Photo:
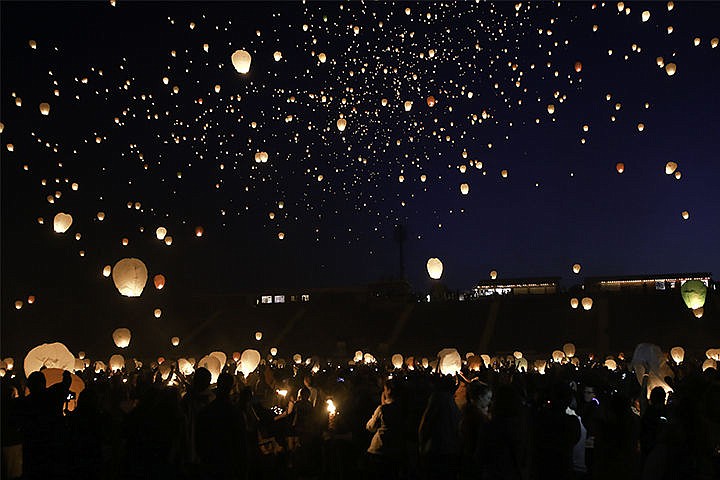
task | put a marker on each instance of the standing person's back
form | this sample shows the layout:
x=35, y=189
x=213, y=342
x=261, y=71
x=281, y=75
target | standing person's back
x=556, y=433
x=439, y=433
x=385, y=453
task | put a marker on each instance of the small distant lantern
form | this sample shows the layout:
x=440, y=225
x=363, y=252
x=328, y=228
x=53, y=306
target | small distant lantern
x=620, y=167
x=121, y=337
x=157, y=312
x=45, y=108
x=493, y=274
x=175, y=341
x=574, y=302
x=576, y=268
x=159, y=281
x=587, y=303
x=434, y=268
x=677, y=354
x=397, y=361
x=258, y=336
x=199, y=231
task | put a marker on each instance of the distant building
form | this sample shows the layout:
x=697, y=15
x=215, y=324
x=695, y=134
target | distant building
x=647, y=283
x=517, y=286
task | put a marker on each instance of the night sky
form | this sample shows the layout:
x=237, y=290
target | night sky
x=147, y=157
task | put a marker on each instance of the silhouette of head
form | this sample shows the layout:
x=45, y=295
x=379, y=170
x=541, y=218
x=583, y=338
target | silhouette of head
x=201, y=379
x=225, y=384
x=657, y=396
x=36, y=383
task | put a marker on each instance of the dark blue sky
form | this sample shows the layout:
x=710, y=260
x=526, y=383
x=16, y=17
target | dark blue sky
x=563, y=201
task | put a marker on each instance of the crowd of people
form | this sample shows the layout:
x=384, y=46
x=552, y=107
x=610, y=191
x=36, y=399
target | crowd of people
x=573, y=421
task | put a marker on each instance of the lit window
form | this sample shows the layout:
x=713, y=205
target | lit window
x=266, y=299
x=279, y=298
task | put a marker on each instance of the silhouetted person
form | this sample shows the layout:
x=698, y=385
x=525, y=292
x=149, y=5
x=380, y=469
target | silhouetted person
x=197, y=397
x=11, y=431
x=386, y=449
x=439, y=435
x=473, y=426
x=220, y=434
x=653, y=420
x=556, y=433
x=38, y=430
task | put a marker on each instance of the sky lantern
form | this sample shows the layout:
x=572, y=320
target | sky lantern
x=408, y=105
x=341, y=123
x=107, y=269
x=646, y=16
x=116, y=363
x=199, y=231
x=493, y=274
x=504, y=173
x=31, y=299
x=277, y=56
x=587, y=303
x=569, y=350
x=258, y=336
x=241, y=61
x=641, y=127
x=185, y=367
x=160, y=233
x=464, y=188
x=558, y=356
x=449, y=361
x=322, y=57
x=18, y=304
x=121, y=337
x=213, y=365
x=130, y=276
x=709, y=363
x=273, y=351
x=10, y=147
x=574, y=302
x=578, y=66
x=693, y=293
x=249, y=361
x=431, y=101
x=157, y=312
x=670, y=168
x=576, y=268
x=159, y=281
x=714, y=42
x=62, y=222
x=33, y=44
x=685, y=214
x=45, y=108
x=397, y=361
x=620, y=167
x=610, y=364
x=175, y=341
x=168, y=240
x=281, y=236
x=48, y=355
x=434, y=268
x=670, y=69
x=101, y=216
x=551, y=109
x=677, y=354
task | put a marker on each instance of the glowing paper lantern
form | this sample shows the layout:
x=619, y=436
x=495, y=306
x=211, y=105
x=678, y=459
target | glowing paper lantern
x=116, y=363
x=450, y=362
x=221, y=357
x=185, y=367
x=698, y=312
x=62, y=222
x=709, y=363
x=341, y=124
x=493, y=274
x=693, y=293
x=199, y=231
x=587, y=303
x=714, y=42
x=397, y=361
x=670, y=167
x=121, y=337
x=677, y=354
x=576, y=268
x=101, y=216
x=434, y=268
x=540, y=366
x=522, y=365
x=464, y=188
x=273, y=351
x=160, y=233
x=18, y=304
x=574, y=302
x=322, y=57
x=277, y=56
x=578, y=67
x=175, y=341
x=670, y=69
x=646, y=15
x=551, y=109
x=610, y=364
x=48, y=355
x=569, y=350
x=258, y=336
x=159, y=281
x=408, y=105
x=431, y=101
x=685, y=215
x=168, y=240
x=157, y=313
x=558, y=356
x=130, y=276
x=212, y=364
x=45, y=108
x=241, y=61
x=620, y=167
x=249, y=361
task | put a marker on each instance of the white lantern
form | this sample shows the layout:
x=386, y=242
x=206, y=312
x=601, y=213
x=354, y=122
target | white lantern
x=175, y=341
x=464, y=188
x=221, y=357
x=116, y=363
x=341, y=124
x=121, y=337
x=241, y=61
x=160, y=233
x=569, y=350
x=576, y=268
x=450, y=362
x=434, y=268
x=62, y=222
x=558, y=356
x=574, y=303
x=45, y=108
x=49, y=355
x=213, y=365
x=397, y=361
x=249, y=361
x=587, y=303
x=677, y=354
x=258, y=336
x=130, y=276
x=408, y=105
